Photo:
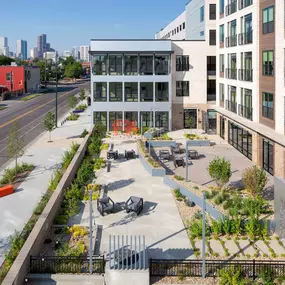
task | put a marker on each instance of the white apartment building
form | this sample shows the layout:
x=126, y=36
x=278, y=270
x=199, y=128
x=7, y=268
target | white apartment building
x=84, y=53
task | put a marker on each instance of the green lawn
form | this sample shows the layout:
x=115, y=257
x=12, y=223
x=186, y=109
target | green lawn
x=2, y=107
x=29, y=97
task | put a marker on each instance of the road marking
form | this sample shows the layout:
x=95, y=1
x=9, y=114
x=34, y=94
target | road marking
x=31, y=111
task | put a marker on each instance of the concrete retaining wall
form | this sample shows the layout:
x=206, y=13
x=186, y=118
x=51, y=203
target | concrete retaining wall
x=36, y=238
x=162, y=143
x=211, y=210
x=151, y=170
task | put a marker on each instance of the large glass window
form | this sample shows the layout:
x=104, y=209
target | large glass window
x=100, y=91
x=202, y=14
x=240, y=139
x=222, y=6
x=212, y=37
x=268, y=63
x=131, y=65
x=131, y=92
x=100, y=64
x=182, y=88
x=222, y=92
x=268, y=20
x=162, y=120
x=161, y=64
x=116, y=121
x=131, y=117
x=268, y=156
x=212, y=12
x=267, y=105
x=146, y=91
x=115, y=92
x=161, y=92
x=146, y=65
x=222, y=33
x=100, y=118
x=146, y=119
x=182, y=62
x=115, y=65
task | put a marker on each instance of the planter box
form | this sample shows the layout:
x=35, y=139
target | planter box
x=77, y=111
x=199, y=143
x=162, y=143
x=150, y=135
x=159, y=171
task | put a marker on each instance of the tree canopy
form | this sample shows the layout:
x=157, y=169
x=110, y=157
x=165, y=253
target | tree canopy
x=5, y=60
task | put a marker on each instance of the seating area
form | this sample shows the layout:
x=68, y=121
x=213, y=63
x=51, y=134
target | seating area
x=114, y=154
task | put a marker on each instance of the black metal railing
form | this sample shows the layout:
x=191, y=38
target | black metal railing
x=231, y=106
x=193, y=268
x=231, y=73
x=268, y=69
x=182, y=67
x=231, y=41
x=66, y=264
x=245, y=38
x=231, y=8
x=268, y=112
x=244, y=3
x=245, y=112
x=245, y=74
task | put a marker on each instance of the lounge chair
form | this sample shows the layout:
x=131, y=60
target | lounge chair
x=179, y=161
x=105, y=205
x=134, y=204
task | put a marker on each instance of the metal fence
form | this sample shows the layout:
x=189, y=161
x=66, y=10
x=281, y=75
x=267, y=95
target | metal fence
x=65, y=264
x=193, y=268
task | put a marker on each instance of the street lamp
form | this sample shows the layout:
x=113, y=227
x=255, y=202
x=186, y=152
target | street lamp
x=90, y=233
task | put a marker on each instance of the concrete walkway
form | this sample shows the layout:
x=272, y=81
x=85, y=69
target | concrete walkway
x=159, y=221
x=16, y=209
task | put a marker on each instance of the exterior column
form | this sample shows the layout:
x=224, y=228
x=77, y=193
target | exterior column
x=279, y=160
x=226, y=130
x=218, y=124
x=256, y=149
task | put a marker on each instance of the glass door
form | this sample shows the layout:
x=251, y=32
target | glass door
x=190, y=113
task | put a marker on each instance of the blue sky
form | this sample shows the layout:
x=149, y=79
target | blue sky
x=69, y=23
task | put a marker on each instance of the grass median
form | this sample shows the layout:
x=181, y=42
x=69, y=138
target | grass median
x=29, y=97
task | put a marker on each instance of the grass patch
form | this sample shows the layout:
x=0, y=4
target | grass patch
x=179, y=178
x=29, y=97
x=72, y=117
x=2, y=107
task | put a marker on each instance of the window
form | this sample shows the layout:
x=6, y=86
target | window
x=267, y=105
x=8, y=76
x=161, y=65
x=182, y=88
x=212, y=37
x=268, y=63
x=146, y=89
x=115, y=64
x=222, y=33
x=100, y=91
x=202, y=14
x=202, y=33
x=131, y=92
x=212, y=11
x=161, y=120
x=146, y=119
x=222, y=92
x=222, y=6
x=115, y=121
x=268, y=156
x=115, y=92
x=131, y=117
x=100, y=118
x=100, y=64
x=180, y=27
x=268, y=20
x=161, y=92
x=131, y=65
x=184, y=26
x=182, y=63
x=211, y=90
x=172, y=32
x=222, y=63
x=146, y=65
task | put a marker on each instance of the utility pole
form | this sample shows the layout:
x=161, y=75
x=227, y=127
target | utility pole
x=56, y=83
x=45, y=70
x=90, y=234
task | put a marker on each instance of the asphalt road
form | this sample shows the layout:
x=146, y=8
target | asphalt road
x=30, y=115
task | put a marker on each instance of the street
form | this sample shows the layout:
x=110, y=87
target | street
x=30, y=115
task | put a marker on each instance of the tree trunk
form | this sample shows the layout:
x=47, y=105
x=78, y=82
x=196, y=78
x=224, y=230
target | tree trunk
x=49, y=136
x=16, y=166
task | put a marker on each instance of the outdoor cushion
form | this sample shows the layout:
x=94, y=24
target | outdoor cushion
x=104, y=200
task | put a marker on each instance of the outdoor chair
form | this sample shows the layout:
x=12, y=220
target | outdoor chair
x=134, y=204
x=193, y=154
x=112, y=154
x=105, y=205
x=176, y=150
x=164, y=155
x=179, y=161
x=130, y=154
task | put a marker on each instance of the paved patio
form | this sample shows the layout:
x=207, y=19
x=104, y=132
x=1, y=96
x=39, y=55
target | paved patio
x=159, y=221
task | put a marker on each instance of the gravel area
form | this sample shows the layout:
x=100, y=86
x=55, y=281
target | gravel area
x=187, y=280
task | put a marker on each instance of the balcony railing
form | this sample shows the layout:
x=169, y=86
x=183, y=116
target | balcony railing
x=231, y=41
x=268, y=112
x=231, y=106
x=245, y=112
x=231, y=8
x=245, y=75
x=231, y=73
x=245, y=38
x=244, y=3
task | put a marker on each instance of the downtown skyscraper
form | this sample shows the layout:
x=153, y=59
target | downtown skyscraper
x=21, y=50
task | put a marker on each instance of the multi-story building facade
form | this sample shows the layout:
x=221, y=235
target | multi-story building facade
x=21, y=49
x=84, y=53
x=4, y=48
x=250, y=80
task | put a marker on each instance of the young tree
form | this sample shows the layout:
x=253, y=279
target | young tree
x=50, y=123
x=72, y=102
x=190, y=123
x=82, y=94
x=220, y=170
x=254, y=180
x=15, y=143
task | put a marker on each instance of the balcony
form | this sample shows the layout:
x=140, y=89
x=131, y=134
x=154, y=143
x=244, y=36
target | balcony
x=231, y=8
x=245, y=38
x=231, y=106
x=245, y=75
x=231, y=41
x=268, y=112
x=244, y=3
x=245, y=112
x=231, y=73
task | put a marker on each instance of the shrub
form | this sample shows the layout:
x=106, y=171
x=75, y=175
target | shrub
x=104, y=146
x=40, y=207
x=85, y=172
x=61, y=220
x=55, y=178
x=81, y=107
x=178, y=195
x=208, y=195
x=72, y=117
x=78, y=231
x=198, y=215
x=179, y=178
x=84, y=133
x=227, y=226
x=254, y=179
x=227, y=204
x=99, y=163
x=164, y=137
x=217, y=227
x=76, y=251
x=196, y=188
x=253, y=227
x=220, y=170
x=196, y=227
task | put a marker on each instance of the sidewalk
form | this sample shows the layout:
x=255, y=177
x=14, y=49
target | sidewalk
x=16, y=209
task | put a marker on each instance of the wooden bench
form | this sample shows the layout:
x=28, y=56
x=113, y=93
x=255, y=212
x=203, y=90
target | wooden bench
x=6, y=190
